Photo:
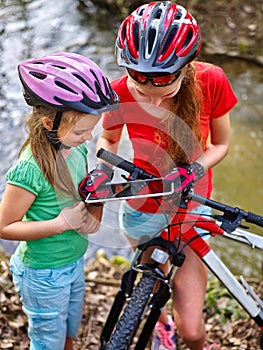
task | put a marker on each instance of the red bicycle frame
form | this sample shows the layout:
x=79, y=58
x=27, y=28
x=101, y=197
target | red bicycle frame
x=183, y=226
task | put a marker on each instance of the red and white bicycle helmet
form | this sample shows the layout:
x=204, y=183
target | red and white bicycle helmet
x=158, y=37
x=65, y=81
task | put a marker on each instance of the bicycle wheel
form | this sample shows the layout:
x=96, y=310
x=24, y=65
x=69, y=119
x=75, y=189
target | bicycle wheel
x=131, y=317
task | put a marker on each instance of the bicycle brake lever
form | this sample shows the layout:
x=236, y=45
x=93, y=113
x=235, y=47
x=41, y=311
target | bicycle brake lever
x=230, y=221
x=251, y=239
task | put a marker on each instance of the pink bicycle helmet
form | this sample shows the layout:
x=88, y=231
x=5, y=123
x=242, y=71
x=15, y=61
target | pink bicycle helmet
x=158, y=37
x=65, y=81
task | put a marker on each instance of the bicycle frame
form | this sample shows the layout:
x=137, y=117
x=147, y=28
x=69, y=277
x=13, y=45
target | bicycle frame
x=181, y=229
x=243, y=293
x=245, y=296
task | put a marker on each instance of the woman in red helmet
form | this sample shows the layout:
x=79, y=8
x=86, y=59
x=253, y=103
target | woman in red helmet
x=176, y=109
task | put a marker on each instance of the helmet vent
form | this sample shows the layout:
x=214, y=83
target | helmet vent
x=83, y=81
x=188, y=38
x=178, y=16
x=168, y=39
x=140, y=12
x=151, y=37
x=136, y=36
x=158, y=14
x=95, y=76
x=57, y=66
x=65, y=87
x=38, y=75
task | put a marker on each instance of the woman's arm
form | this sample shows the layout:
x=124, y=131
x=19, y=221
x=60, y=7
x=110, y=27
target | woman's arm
x=14, y=205
x=219, y=144
x=109, y=140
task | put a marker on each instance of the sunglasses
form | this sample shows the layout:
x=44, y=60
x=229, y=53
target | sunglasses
x=156, y=80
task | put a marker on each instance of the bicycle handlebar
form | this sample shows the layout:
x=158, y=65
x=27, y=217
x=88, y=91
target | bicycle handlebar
x=231, y=214
x=229, y=211
x=119, y=162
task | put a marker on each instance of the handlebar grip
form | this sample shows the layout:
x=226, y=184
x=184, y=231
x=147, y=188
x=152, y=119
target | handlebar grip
x=123, y=164
x=254, y=219
x=115, y=160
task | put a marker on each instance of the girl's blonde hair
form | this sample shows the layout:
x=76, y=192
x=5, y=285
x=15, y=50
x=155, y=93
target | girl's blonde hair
x=49, y=159
x=187, y=107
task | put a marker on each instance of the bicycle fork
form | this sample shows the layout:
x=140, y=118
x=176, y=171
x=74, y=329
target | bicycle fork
x=124, y=292
x=156, y=303
x=157, y=299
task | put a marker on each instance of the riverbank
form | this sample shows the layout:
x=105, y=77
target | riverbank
x=226, y=323
x=231, y=28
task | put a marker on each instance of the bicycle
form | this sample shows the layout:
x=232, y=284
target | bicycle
x=144, y=286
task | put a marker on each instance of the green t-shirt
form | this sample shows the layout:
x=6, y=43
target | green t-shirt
x=61, y=249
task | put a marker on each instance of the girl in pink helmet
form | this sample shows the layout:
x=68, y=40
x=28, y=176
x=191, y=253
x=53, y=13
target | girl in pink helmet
x=41, y=206
x=176, y=109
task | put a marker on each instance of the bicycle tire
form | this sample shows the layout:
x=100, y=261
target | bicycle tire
x=131, y=317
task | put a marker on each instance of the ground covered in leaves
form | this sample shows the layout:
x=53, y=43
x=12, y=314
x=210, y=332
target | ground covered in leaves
x=226, y=323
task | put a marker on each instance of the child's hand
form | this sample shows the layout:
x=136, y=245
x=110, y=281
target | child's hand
x=95, y=216
x=78, y=218
x=74, y=217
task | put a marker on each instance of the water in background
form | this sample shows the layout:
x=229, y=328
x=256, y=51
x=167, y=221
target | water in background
x=34, y=28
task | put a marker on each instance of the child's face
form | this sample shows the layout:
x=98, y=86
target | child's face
x=81, y=131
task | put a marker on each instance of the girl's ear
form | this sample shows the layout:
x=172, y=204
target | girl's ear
x=47, y=123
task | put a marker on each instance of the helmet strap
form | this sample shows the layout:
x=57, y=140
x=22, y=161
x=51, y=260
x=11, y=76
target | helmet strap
x=57, y=120
x=52, y=134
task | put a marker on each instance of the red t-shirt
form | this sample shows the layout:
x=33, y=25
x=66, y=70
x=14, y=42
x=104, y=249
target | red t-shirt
x=147, y=132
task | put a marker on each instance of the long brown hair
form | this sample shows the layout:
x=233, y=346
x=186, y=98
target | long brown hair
x=186, y=106
x=50, y=160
